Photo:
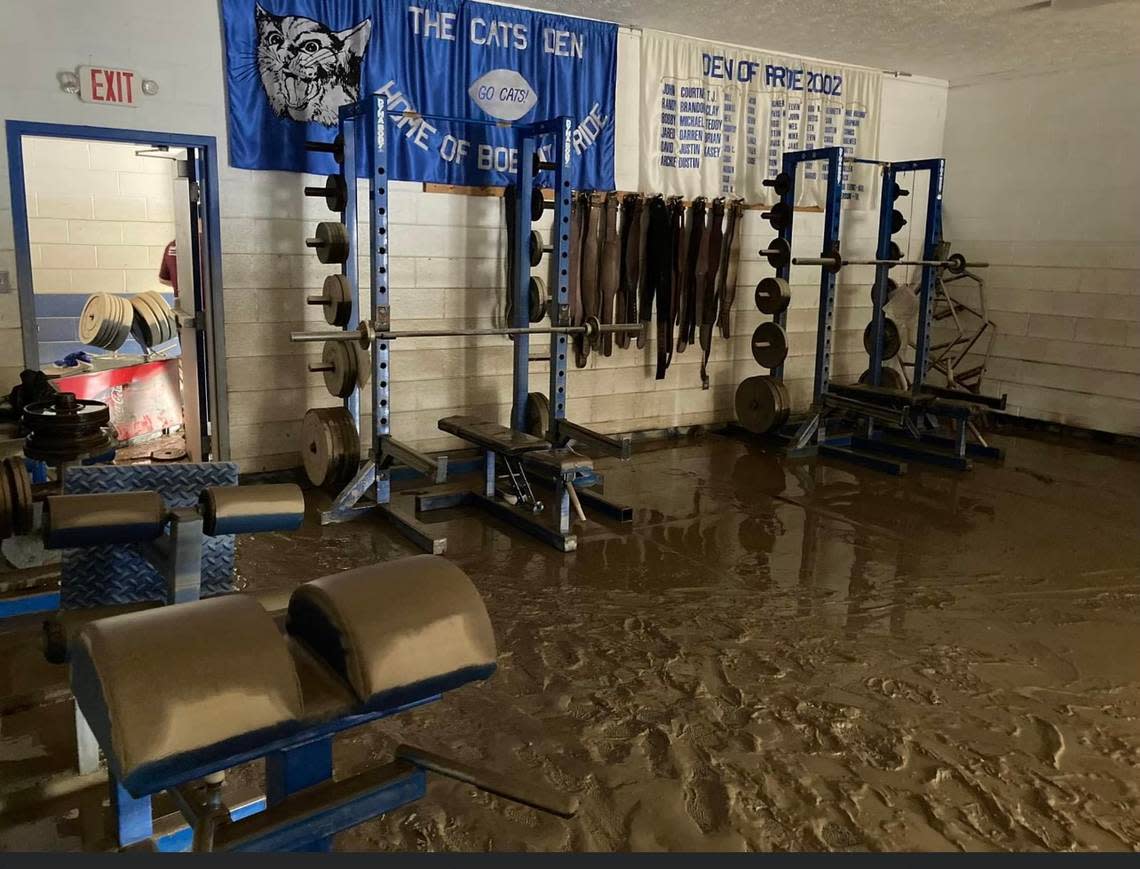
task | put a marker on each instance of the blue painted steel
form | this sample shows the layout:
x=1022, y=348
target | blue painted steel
x=525, y=184
x=399, y=792
x=351, y=267
x=932, y=238
x=882, y=271
x=827, y=279
x=202, y=153
x=27, y=604
x=377, y=118
x=560, y=229
x=133, y=819
x=182, y=839
x=293, y=770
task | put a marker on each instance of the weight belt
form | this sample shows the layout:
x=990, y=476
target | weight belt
x=652, y=246
x=591, y=239
x=645, y=288
x=573, y=276
x=707, y=273
x=630, y=267
x=687, y=305
x=730, y=258
x=609, y=273
x=659, y=273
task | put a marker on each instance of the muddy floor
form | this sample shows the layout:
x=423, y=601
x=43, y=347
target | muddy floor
x=773, y=655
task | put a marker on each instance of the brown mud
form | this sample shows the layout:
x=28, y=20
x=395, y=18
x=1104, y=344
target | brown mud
x=774, y=655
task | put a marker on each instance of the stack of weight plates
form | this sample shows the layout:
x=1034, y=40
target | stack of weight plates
x=330, y=447
x=105, y=321
x=154, y=322
x=762, y=403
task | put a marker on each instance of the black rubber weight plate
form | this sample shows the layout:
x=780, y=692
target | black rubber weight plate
x=537, y=414
x=892, y=341
x=888, y=377
x=772, y=295
x=769, y=345
x=759, y=404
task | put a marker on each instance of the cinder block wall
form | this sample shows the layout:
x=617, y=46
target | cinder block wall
x=447, y=249
x=1043, y=180
x=99, y=217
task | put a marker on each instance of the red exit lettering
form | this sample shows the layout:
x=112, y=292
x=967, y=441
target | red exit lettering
x=110, y=86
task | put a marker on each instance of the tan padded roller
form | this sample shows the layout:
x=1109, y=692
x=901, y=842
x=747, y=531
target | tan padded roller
x=112, y=517
x=397, y=631
x=179, y=680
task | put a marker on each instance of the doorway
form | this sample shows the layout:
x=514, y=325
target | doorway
x=124, y=221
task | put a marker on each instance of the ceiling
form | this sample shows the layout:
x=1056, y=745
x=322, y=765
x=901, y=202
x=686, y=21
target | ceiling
x=957, y=40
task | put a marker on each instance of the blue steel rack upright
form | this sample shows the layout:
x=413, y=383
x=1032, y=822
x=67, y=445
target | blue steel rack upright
x=370, y=488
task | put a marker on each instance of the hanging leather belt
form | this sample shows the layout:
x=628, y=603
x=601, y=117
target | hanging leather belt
x=591, y=239
x=730, y=258
x=659, y=277
x=707, y=276
x=609, y=276
x=687, y=308
x=630, y=265
x=644, y=288
x=574, y=270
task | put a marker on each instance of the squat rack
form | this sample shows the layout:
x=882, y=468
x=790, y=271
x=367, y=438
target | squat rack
x=370, y=488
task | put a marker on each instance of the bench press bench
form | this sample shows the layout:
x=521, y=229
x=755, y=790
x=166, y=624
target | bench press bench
x=181, y=693
x=522, y=456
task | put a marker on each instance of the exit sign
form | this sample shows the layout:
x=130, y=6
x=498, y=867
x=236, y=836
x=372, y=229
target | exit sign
x=114, y=87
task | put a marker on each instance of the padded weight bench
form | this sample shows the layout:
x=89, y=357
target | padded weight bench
x=184, y=692
x=523, y=453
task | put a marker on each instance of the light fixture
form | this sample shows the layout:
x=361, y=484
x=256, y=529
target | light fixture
x=149, y=87
x=68, y=82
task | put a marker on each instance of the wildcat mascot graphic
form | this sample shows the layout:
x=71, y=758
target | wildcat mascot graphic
x=307, y=69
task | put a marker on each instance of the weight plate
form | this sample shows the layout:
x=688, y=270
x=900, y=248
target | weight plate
x=769, y=345
x=779, y=215
x=338, y=300
x=773, y=295
x=146, y=322
x=779, y=253
x=894, y=252
x=92, y=319
x=7, y=519
x=957, y=264
x=336, y=192
x=332, y=242
x=758, y=404
x=897, y=220
x=892, y=341
x=159, y=328
x=167, y=324
x=889, y=378
x=537, y=415
x=534, y=247
x=318, y=454
x=20, y=491
x=892, y=287
x=537, y=298
x=537, y=204
x=348, y=446
x=172, y=454
x=341, y=379
x=782, y=183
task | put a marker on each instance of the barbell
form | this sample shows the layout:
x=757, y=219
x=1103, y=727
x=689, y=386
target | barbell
x=367, y=333
x=956, y=264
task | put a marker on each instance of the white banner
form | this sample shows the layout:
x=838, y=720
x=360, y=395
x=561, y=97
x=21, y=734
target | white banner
x=715, y=121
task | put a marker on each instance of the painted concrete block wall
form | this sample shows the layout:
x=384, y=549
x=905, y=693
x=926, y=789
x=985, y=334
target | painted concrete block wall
x=447, y=265
x=99, y=217
x=1044, y=182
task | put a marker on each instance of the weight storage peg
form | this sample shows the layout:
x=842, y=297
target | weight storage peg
x=780, y=216
x=330, y=243
x=778, y=252
x=897, y=191
x=782, y=183
x=335, y=192
x=335, y=147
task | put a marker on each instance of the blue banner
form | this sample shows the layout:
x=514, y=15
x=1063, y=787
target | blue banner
x=291, y=64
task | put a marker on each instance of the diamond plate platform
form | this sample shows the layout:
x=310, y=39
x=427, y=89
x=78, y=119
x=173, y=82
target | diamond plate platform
x=108, y=575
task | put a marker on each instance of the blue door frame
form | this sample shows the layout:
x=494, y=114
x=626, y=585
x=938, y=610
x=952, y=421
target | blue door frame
x=208, y=290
